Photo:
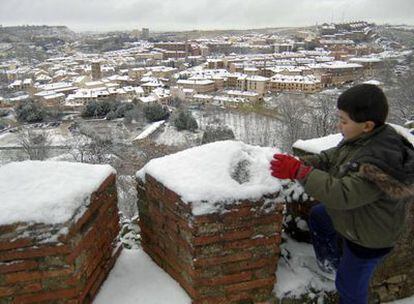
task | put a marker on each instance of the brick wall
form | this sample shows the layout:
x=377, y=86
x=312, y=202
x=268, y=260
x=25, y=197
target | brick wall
x=228, y=257
x=37, y=264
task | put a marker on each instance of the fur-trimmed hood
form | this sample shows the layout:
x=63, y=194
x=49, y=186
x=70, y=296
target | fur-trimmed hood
x=392, y=187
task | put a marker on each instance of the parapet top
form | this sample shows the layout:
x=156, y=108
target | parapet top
x=216, y=172
x=317, y=145
x=47, y=192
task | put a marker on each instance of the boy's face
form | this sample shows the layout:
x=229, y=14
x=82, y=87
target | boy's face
x=351, y=129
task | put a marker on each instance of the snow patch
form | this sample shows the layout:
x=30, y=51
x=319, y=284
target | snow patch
x=317, y=145
x=47, y=192
x=208, y=176
x=150, y=129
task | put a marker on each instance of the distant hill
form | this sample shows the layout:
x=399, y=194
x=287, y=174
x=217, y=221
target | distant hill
x=29, y=33
x=194, y=34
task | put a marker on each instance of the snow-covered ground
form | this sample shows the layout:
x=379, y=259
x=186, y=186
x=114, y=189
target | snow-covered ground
x=137, y=279
x=171, y=137
x=57, y=137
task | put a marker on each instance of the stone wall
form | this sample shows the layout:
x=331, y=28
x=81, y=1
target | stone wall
x=226, y=257
x=64, y=263
x=394, y=278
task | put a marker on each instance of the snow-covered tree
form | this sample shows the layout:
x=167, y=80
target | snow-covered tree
x=35, y=144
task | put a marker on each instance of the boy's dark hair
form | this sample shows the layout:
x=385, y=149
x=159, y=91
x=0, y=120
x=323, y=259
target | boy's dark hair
x=364, y=102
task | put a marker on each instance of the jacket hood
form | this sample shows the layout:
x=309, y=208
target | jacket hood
x=392, y=187
x=390, y=152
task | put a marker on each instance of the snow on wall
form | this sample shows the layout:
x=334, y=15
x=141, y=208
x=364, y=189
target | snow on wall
x=317, y=145
x=224, y=171
x=47, y=192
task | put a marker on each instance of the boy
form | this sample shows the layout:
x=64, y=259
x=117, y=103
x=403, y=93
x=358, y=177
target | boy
x=363, y=184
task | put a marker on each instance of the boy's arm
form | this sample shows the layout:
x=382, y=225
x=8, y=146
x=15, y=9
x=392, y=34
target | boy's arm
x=349, y=192
x=319, y=161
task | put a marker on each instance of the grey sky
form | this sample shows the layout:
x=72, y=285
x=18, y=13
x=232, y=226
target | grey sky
x=200, y=14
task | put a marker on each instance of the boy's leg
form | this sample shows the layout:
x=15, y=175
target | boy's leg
x=353, y=276
x=324, y=238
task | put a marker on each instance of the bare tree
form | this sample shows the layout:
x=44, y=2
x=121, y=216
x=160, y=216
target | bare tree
x=386, y=73
x=293, y=116
x=322, y=114
x=35, y=144
x=90, y=147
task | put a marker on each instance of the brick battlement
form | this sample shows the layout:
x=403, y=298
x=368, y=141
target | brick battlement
x=63, y=263
x=223, y=257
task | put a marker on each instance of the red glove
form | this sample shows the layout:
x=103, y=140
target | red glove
x=285, y=166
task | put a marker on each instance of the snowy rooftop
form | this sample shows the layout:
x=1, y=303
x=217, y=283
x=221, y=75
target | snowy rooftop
x=47, y=192
x=195, y=82
x=309, y=79
x=150, y=129
x=365, y=59
x=205, y=175
x=336, y=65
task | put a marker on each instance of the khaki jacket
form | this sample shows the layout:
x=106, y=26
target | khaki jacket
x=365, y=184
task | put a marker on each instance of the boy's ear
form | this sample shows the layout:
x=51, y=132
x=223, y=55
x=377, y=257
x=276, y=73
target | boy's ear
x=368, y=126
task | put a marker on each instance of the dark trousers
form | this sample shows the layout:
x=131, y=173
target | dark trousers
x=353, y=272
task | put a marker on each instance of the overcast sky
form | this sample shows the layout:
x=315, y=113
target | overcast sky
x=164, y=15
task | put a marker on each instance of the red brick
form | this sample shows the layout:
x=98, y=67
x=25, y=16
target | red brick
x=251, y=222
x=8, y=228
x=97, y=284
x=148, y=249
x=237, y=214
x=223, y=259
x=46, y=296
x=248, y=265
x=250, y=285
x=29, y=288
x=95, y=261
x=239, y=296
x=225, y=280
x=18, y=266
x=211, y=300
x=83, y=244
x=111, y=262
x=15, y=244
x=249, y=243
x=238, y=234
x=205, y=219
x=6, y=291
x=109, y=181
x=226, y=236
x=162, y=258
x=33, y=252
x=89, y=283
x=35, y=275
x=92, y=237
x=20, y=289
x=97, y=202
x=106, y=206
x=204, y=240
